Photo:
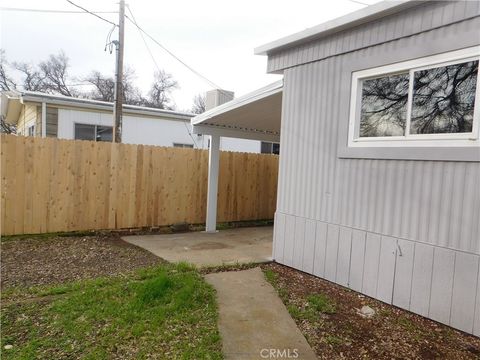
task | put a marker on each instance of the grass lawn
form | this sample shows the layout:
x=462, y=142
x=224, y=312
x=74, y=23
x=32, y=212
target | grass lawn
x=164, y=312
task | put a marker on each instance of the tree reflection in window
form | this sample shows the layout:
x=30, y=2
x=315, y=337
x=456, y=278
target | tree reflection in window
x=384, y=106
x=443, y=99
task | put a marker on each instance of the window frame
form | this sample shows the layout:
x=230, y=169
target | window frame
x=413, y=140
x=32, y=128
x=95, y=126
x=183, y=145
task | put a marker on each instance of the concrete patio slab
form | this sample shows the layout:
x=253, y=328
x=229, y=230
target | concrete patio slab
x=254, y=323
x=242, y=245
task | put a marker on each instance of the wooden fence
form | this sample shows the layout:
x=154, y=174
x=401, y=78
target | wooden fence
x=51, y=185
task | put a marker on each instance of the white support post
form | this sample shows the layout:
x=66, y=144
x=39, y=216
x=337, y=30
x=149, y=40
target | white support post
x=44, y=120
x=213, y=163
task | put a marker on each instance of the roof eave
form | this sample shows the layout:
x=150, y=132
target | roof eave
x=362, y=16
x=103, y=105
x=268, y=90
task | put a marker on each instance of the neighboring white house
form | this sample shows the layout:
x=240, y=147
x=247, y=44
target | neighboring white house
x=379, y=177
x=39, y=114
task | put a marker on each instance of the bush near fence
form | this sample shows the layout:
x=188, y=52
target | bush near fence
x=51, y=185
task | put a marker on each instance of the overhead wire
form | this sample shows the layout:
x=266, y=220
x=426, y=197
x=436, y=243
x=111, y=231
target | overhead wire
x=143, y=38
x=108, y=40
x=134, y=21
x=90, y=12
x=211, y=83
x=53, y=11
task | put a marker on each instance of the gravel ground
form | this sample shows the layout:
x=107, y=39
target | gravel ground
x=41, y=261
x=392, y=333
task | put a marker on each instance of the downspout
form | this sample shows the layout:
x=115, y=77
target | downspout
x=44, y=119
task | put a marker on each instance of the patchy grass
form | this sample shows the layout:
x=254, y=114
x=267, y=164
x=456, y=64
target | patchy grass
x=326, y=314
x=271, y=276
x=321, y=303
x=166, y=312
x=311, y=309
x=333, y=340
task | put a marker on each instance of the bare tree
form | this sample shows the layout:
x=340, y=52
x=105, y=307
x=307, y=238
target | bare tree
x=159, y=94
x=6, y=82
x=131, y=93
x=32, y=78
x=55, y=73
x=104, y=87
x=199, y=103
x=51, y=76
x=6, y=127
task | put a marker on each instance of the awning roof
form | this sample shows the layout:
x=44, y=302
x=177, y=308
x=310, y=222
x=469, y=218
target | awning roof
x=254, y=116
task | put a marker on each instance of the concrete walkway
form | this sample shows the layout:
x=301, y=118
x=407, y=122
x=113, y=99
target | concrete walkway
x=254, y=323
x=242, y=245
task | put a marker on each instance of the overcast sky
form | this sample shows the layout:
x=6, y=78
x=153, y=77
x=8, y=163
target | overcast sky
x=216, y=37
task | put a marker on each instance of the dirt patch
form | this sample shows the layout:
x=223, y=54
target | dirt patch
x=391, y=333
x=40, y=261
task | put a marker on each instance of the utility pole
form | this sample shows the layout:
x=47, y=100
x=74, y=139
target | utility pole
x=118, y=102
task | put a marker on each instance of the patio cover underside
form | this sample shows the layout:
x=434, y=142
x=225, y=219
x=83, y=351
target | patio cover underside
x=254, y=116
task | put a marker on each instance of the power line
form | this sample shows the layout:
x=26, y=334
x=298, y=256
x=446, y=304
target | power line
x=134, y=21
x=143, y=38
x=54, y=11
x=91, y=13
x=211, y=83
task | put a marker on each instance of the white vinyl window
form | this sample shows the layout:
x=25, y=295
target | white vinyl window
x=31, y=130
x=432, y=101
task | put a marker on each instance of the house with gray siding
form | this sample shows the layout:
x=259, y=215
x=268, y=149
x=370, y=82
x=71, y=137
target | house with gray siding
x=379, y=183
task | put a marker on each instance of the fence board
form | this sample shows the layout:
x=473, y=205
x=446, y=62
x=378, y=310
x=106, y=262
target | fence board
x=51, y=185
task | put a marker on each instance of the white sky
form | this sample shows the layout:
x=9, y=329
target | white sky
x=215, y=37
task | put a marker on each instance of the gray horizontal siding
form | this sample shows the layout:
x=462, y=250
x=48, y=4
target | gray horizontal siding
x=435, y=202
x=422, y=18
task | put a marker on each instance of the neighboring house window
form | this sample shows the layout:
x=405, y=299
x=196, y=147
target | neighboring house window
x=183, y=145
x=31, y=130
x=93, y=132
x=432, y=101
x=269, y=148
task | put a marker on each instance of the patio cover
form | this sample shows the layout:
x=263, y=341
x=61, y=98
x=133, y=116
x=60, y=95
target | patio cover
x=254, y=116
